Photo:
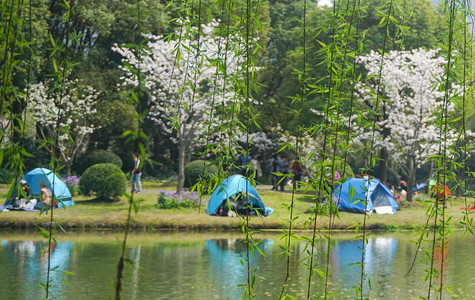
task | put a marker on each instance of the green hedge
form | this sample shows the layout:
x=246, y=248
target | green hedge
x=6, y=176
x=195, y=169
x=94, y=157
x=107, y=181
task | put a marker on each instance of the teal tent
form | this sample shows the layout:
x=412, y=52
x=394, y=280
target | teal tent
x=233, y=188
x=59, y=189
x=351, y=194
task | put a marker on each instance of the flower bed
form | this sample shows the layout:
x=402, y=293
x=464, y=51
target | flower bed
x=171, y=199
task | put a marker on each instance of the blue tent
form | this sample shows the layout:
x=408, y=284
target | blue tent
x=40, y=175
x=230, y=187
x=351, y=194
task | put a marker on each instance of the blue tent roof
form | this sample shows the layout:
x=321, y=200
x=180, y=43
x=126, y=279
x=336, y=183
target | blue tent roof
x=351, y=194
x=59, y=189
x=231, y=186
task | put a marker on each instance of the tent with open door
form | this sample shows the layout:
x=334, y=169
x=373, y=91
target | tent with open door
x=351, y=194
x=241, y=194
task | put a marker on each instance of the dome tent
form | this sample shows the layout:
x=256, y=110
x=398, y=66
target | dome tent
x=234, y=188
x=351, y=194
x=59, y=189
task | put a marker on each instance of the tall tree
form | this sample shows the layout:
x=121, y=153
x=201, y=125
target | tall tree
x=187, y=80
x=410, y=101
x=73, y=112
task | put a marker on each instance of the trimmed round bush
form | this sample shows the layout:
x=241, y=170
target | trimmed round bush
x=94, y=157
x=107, y=181
x=194, y=170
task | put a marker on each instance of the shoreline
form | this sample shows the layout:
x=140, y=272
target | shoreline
x=32, y=220
x=90, y=214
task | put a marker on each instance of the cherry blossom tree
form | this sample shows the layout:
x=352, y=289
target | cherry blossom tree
x=75, y=111
x=410, y=100
x=188, y=82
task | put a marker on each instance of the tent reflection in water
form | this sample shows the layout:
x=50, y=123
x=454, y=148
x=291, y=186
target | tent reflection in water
x=351, y=196
x=243, y=198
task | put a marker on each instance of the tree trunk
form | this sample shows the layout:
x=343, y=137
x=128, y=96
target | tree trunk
x=461, y=176
x=68, y=168
x=181, y=168
x=410, y=178
x=383, y=164
x=18, y=106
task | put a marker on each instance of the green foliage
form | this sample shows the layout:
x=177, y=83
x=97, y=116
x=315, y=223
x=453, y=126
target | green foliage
x=6, y=175
x=94, y=157
x=114, y=118
x=107, y=181
x=196, y=169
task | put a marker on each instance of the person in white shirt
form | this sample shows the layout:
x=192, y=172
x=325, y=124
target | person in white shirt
x=135, y=174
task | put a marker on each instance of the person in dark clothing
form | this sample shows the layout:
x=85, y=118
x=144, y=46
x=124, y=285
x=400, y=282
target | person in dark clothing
x=274, y=166
x=297, y=170
x=244, y=160
x=284, y=170
x=27, y=192
x=26, y=196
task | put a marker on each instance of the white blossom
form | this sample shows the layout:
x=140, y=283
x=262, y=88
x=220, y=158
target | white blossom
x=189, y=91
x=71, y=110
x=412, y=99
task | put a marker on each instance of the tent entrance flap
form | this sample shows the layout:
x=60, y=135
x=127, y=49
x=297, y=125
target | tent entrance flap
x=379, y=197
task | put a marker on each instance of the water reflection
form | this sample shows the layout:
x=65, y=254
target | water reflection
x=203, y=268
x=228, y=263
x=30, y=261
x=378, y=261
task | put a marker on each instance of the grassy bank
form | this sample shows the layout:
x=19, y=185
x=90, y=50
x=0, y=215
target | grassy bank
x=91, y=214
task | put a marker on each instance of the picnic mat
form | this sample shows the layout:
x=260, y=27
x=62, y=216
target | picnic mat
x=4, y=208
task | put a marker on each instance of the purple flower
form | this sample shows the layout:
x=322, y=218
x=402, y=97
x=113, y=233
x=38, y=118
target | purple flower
x=173, y=199
x=72, y=182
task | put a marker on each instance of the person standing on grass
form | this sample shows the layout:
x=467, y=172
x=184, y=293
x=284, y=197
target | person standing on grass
x=284, y=170
x=297, y=170
x=274, y=167
x=256, y=166
x=135, y=174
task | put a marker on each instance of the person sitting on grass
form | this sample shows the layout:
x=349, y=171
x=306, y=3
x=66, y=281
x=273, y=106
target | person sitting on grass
x=45, y=195
x=26, y=200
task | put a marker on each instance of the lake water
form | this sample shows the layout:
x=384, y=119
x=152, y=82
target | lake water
x=212, y=266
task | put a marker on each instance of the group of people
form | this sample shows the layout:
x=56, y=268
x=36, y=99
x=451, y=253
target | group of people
x=25, y=198
x=279, y=168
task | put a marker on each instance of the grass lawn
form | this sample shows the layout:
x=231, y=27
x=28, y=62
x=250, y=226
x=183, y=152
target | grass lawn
x=90, y=213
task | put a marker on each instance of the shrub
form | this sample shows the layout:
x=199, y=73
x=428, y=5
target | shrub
x=195, y=169
x=170, y=199
x=107, y=181
x=72, y=182
x=94, y=157
x=6, y=176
